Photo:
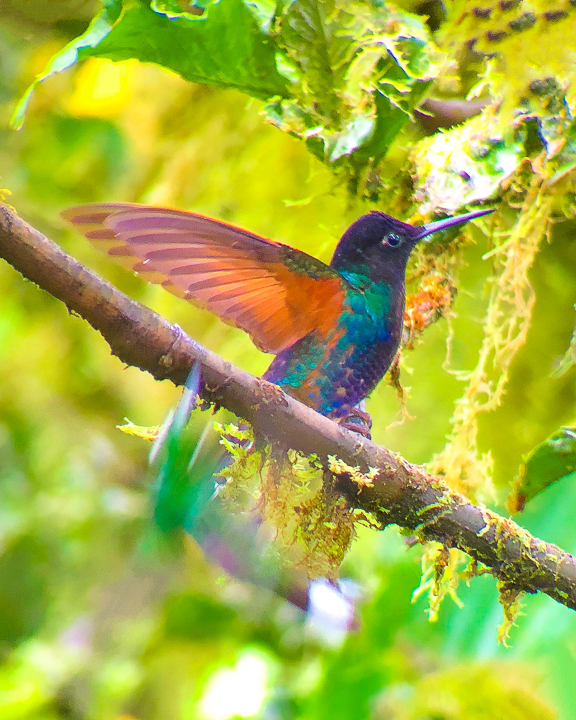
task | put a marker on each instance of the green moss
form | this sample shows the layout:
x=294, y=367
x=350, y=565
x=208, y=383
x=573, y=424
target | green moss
x=312, y=525
x=510, y=598
x=440, y=577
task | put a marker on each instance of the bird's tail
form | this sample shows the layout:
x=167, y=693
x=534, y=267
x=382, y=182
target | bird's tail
x=187, y=496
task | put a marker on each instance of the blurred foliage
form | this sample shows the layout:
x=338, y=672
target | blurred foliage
x=99, y=617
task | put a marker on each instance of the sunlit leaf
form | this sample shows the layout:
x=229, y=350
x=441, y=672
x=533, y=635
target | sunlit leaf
x=359, y=72
x=224, y=47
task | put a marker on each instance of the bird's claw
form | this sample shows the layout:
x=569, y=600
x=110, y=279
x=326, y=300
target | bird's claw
x=359, y=421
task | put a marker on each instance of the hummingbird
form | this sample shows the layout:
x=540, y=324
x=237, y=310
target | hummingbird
x=334, y=329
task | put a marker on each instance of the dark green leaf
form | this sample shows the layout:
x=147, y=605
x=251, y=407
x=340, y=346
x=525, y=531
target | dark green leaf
x=344, y=78
x=319, y=52
x=550, y=461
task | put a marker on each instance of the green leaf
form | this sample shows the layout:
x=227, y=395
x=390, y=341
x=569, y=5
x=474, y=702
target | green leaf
x=224, y=47
x=358, y=73
x=357, y=133
x=319, y=50
x=569, y=358
x=548, y=462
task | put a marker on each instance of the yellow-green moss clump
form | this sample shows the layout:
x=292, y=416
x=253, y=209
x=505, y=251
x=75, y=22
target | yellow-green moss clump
x=312, y=524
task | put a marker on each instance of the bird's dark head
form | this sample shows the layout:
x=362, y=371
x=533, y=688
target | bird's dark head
x=382, y=244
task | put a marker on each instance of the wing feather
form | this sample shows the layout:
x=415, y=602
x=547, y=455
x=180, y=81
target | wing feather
x=274, y=292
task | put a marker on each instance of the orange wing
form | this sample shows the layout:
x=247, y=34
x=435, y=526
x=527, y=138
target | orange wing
x=277, y=294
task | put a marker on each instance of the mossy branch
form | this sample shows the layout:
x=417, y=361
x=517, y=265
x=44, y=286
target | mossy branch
x=399, y=493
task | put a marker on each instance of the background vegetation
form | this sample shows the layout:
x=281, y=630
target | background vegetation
x=96, y=619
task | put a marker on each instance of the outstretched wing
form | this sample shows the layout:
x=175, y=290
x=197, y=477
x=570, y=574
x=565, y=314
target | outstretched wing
x=277, y=294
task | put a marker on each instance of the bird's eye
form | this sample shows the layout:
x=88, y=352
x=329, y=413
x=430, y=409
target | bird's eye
x=393, y=240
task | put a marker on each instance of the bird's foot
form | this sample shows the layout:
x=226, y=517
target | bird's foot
x=358, y=421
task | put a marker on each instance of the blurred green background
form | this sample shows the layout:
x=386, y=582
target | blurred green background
x=97, y=620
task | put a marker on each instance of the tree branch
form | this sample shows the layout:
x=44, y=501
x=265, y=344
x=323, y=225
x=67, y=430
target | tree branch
x=401, y=493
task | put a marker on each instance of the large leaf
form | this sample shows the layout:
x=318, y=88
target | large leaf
x=225, y=46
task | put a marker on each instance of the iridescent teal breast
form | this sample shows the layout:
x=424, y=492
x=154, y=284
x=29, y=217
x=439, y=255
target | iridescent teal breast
x=335, y=371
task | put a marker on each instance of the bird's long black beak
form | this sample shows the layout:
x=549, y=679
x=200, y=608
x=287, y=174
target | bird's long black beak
x=433, y=227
